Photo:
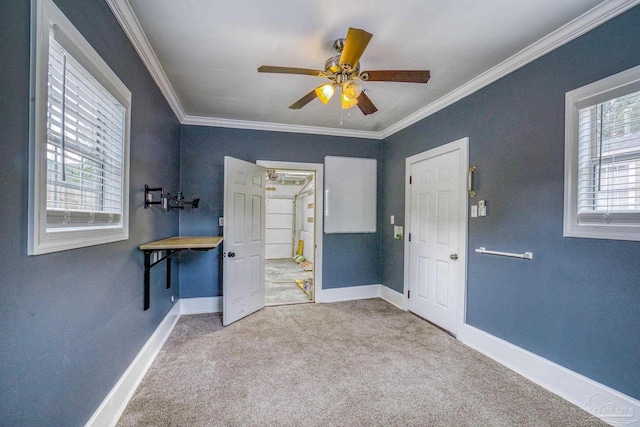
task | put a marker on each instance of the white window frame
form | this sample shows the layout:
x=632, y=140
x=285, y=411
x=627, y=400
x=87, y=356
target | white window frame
x=611, y=87
x=46, y=17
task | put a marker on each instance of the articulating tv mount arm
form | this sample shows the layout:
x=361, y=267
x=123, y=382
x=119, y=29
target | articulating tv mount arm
x=167, y=200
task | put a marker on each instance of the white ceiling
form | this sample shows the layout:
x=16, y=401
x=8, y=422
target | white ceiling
x=204, y=54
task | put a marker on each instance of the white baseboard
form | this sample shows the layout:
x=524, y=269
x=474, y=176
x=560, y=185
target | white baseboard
x=363, y=292
x=604, y=402
x=350, y=293
x=200, y=305
x=393, y=297
x=114, y=404
x=214, y=304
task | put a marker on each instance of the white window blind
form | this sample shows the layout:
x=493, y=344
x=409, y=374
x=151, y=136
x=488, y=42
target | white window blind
x=85, y=147
x=608, y=181
x=78, y=141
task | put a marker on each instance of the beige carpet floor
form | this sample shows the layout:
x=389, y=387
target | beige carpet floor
x=357, y=363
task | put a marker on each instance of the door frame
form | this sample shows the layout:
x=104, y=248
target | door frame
x=463, y=146
x=319, y=209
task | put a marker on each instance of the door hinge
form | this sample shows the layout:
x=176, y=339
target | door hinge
x=408, y=294
x=409, y=236
x=410, y=180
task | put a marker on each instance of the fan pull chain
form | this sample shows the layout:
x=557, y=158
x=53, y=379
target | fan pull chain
x=342, y=115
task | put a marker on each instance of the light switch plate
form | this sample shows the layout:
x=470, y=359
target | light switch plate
x=393, y=219
x=474, y=211
x=482, y=208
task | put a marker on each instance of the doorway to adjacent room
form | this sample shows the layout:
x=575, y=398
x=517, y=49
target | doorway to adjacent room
x=293, y=217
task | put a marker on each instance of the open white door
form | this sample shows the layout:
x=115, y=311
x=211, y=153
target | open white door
x=243, y=239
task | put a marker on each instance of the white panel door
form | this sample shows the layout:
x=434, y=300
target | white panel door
x=436, y=233
x=243, y=239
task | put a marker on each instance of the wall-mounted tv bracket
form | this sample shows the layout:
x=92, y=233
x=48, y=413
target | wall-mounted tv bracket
x=148, y=196
x=167, y=200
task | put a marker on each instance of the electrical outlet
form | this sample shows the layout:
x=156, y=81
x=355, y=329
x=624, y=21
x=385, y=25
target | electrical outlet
x=172, y=299
x=393, y=219
x=221, y=221
x=474, y=211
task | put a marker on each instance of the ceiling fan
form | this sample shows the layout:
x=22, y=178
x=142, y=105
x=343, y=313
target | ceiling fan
x=344, y=72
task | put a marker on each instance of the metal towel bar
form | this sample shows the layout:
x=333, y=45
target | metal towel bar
x=526, y=255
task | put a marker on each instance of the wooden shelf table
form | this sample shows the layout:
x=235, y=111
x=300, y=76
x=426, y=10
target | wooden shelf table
x=171, y=246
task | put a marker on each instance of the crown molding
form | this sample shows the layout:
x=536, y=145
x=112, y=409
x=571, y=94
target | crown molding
x=563, y=35
x=279, y=127
x=132, y=28
x=589, y=20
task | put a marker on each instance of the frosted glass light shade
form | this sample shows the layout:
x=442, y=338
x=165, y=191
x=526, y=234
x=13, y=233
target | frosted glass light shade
x=348, y=103
x=352, y=89
x=325, y=92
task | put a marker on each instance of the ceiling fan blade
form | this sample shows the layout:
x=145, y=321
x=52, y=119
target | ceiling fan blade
x=355, y=44
x=407, y=76
x=365, y=105
x=289, y=70
x=304, y=100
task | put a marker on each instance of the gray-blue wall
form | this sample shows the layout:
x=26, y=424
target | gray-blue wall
x=577, y=303
x=71, y=322
x=348, y=259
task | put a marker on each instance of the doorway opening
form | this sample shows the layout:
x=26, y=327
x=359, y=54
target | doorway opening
x=290, y=237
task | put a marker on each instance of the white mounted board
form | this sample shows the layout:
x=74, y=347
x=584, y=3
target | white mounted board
x=350, y=190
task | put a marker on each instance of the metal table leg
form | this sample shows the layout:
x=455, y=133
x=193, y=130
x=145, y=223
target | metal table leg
x=147, y=279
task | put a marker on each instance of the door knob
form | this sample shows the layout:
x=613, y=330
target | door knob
x=453, y=256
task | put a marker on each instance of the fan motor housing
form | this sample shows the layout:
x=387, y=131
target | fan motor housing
x=336, y=72
x=332, y=65
x=340, y=72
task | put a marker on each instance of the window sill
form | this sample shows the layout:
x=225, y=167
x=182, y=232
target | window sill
x=62, y=240
x=610, y=232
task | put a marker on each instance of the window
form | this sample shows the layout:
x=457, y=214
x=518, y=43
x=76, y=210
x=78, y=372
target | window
x=79, y=141
x=602, y=159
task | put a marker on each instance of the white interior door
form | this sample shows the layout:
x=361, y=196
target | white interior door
x=244, y=239
x=437, y=237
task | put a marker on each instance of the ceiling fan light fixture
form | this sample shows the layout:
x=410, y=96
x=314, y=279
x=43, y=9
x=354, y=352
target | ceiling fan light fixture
x=325, y=92
x=343, y=71
x=348, y=103
x=351, y=89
